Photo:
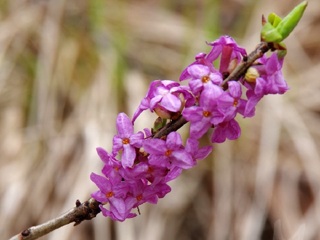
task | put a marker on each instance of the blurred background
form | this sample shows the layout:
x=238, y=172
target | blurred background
x=68, y=67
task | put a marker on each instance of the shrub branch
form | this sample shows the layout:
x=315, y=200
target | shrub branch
x=90, y=208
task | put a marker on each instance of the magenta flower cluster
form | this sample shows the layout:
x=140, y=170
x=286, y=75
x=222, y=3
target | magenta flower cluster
x=140, y=166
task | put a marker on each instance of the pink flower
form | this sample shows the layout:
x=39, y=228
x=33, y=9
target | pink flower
x=112, y=167
x=269, y=81
x=206, y=114
x=168, y=153
x=202, y=77
x=126, y=140
x=165, y=97
x=231, y=103
x=229, y=51
x=197, y=153
x=200, y=59
x=226, y=130
x=114, y=194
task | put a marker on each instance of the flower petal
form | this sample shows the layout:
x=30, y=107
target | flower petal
x=171, y=102
x=128, y=155
x=102, y=183
x=103, y=154
x=174, y=141
x=124, y=125
x=154, y=146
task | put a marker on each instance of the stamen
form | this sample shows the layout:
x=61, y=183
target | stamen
x=168, y=153
x=109, y=194
x=206, y=113
x=235, y=103
x=150, y=169
x=205, y=79
x=139, y=197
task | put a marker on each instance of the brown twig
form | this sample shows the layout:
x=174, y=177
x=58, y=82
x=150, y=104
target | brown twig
x=82, y=211
x=241, y=69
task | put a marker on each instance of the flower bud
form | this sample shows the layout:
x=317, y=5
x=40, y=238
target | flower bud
x=288, y=23
x=162, y=112
x=251, y=75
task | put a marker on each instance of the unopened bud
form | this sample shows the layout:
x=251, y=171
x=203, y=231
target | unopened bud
x=251, y=75
x=162, y=112
x=276, y=29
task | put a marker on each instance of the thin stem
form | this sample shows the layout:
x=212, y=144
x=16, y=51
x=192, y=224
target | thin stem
x=172, y=126
x=241, y=69
x=82, y=211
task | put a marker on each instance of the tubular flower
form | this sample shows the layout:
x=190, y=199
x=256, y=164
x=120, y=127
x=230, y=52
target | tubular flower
x=168, y=153
x=126, y=140
x=202, y=77
x=229, y=51
x=165, y=97
x=269, y=81
x=206, y=114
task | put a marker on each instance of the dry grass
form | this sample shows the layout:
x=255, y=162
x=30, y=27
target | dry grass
x=68, y=67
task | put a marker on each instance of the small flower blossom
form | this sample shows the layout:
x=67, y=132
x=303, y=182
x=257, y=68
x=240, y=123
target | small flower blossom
x=113, y=193
x=200, y=59
x=108, y=188
x=165, y=97
x=197, y=153
x=274, y=82
x=120, y=209
x=143, y=170
x=231, y=103
x=253, y=100
x=269, y=81
x=228, y=50
x=202, y=76
x=168, y=153
x=205, y=115
x=173, y=173
x=126, y=140
x=142, y=192
x=112, y=167
x=161, y=189
x=226, y=130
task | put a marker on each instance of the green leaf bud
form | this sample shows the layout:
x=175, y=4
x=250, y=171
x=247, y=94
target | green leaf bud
x=274, y=19
x=288, y=23
x=270, y=34
x=276, y=29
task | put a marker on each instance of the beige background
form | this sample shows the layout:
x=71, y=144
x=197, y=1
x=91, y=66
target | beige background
x=68, y=67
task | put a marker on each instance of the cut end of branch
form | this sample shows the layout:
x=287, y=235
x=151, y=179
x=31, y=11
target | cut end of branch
x=86, y=211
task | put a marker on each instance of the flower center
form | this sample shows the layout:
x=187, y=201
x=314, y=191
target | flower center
x=139, y=197
x=126, y=141
x=168, y=153
x=150, y=170
x=206, y=113
x=205, y=79
x=109, y=194
x=235, y=103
